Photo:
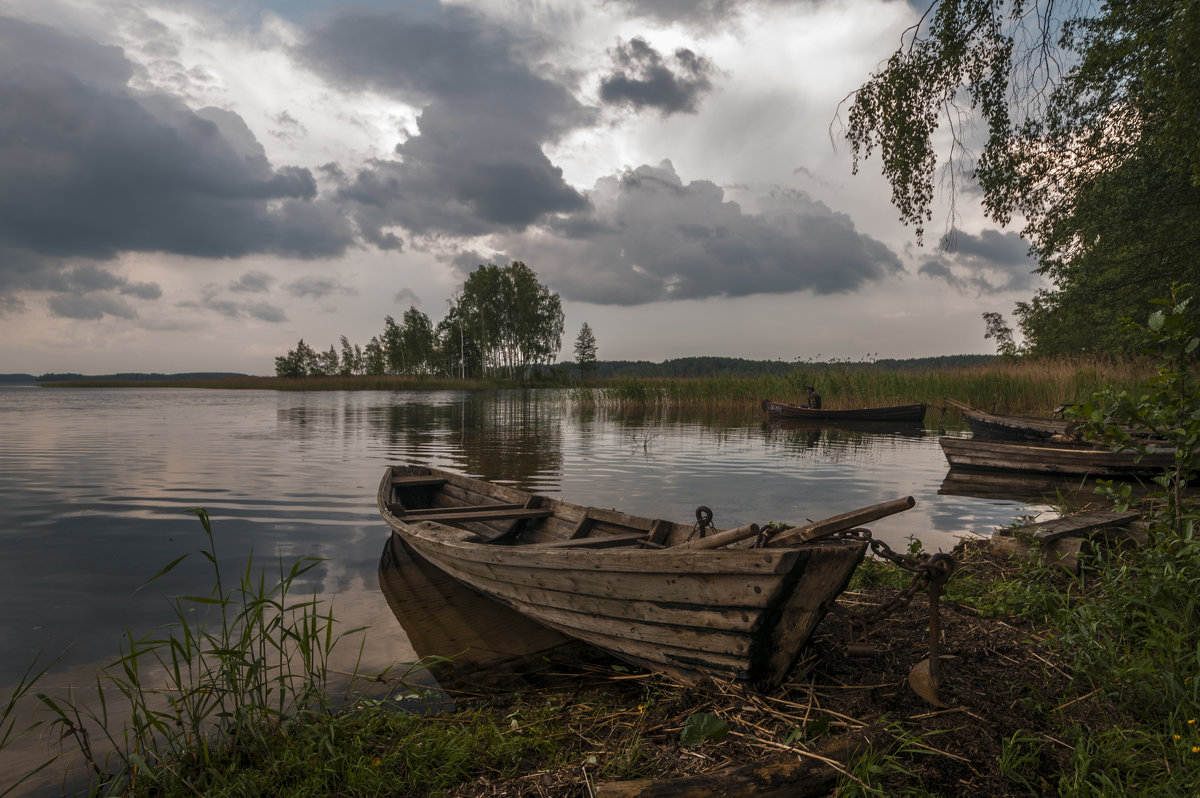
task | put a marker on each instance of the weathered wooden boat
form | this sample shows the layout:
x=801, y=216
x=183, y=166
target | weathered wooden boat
x=1011, y=428
x=914, y=413
x=1083, y=460
x=739, y=604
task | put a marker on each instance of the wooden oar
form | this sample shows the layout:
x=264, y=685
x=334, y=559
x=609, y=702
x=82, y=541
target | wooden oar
x=838, y=523
x=796, y=535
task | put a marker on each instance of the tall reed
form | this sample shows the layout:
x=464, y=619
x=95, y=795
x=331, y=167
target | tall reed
x=13, y=731
x=1034, y=387
x=231, y=669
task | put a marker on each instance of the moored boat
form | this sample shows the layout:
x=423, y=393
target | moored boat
x=914, y=413
x=739, y=604
x=1083, y=460
x=1012, y=428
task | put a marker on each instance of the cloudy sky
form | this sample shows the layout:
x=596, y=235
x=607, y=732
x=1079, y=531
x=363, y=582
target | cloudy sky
x=194, y=185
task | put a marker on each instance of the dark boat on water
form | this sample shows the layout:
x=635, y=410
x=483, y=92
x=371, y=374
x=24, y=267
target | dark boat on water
x=1048, y=458
x=914, y=413
x=739, y=604
x=1011, y=428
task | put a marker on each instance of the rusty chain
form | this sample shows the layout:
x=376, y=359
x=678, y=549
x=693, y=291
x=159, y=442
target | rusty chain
x=929, y=573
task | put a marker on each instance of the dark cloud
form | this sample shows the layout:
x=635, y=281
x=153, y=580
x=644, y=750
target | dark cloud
x=707, y=14
x=475, y=164
x=265, y=312
x=406, y=296
x=316, y=287
x=229, y=308
x=987, y=263
x=697, y=12
x=90, y=169
x=90, y=292
x=90, y=306
x=252, y=283
x=643, y=79
x=650, y=237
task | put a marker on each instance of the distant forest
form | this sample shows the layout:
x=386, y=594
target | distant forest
x=132, y=377
x=740, y=367
x=682, y=367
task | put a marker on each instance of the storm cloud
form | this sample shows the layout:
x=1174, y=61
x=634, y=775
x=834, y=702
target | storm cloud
x=649, y=237
x=988, y=263
x=644, y=79
x=90, y=169
x=475, y=164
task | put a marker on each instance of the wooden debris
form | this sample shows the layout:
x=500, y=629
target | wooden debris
x=1062, y=541
x=796, y=774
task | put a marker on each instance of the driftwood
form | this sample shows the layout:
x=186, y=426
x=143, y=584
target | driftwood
x=1062, y=541
x=792, y=775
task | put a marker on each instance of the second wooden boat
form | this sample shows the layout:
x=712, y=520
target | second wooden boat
x=1053, y=459
x=732, y=605
x=1010, y=428
x=914, y=413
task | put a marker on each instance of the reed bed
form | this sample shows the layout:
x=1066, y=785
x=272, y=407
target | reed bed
x=1033, y=387
x=1015, y=386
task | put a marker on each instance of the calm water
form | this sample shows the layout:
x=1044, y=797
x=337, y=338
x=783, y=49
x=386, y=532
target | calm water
x=95, y=484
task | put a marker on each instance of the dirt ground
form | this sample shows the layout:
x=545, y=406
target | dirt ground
x=994, y=673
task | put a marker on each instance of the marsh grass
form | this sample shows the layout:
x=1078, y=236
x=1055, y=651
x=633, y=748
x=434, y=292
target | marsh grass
x=229, y=674
x=13, y=731
x=1035, y=387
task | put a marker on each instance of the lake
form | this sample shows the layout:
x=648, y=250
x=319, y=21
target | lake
x=95, y=486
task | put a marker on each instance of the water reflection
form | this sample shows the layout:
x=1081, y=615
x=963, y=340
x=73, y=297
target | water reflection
x=467, y=639
x=94, y=485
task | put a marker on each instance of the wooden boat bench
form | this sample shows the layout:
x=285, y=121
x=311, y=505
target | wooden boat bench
x=418, y=481
x=500, y=512
x=599, y=542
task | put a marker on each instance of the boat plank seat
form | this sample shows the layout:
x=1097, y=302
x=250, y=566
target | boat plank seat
x=418, y=481
x=483, y=509
x=598, y=542
x=459, y=514
x=532, y=508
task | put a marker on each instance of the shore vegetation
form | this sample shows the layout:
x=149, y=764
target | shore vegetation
x=1070, y=683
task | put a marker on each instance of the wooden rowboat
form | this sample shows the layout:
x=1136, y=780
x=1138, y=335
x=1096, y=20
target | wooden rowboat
x=913, y=414
x=1053, y=459
x=655, y=593
x=1010, y=428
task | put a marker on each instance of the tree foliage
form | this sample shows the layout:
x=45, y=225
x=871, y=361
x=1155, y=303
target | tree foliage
x=1092, y=115
x=585, y=350
x=504, y=322
x=515, y=321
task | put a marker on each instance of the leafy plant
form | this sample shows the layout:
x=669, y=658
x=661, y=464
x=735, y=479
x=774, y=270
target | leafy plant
x=703, y=727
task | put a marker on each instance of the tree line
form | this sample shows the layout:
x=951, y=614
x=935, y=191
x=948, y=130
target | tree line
x=502, y=323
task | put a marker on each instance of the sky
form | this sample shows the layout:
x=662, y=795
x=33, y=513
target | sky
x=196, y=186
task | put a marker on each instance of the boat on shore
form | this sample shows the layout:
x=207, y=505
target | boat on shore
x=678, y=598
x=1049, y=458
x=914, y=413
x=1011, y=428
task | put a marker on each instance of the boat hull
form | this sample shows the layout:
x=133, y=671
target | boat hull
x=1010, y=428
x=912, y=414
x=738, y=612
x=971, y=453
